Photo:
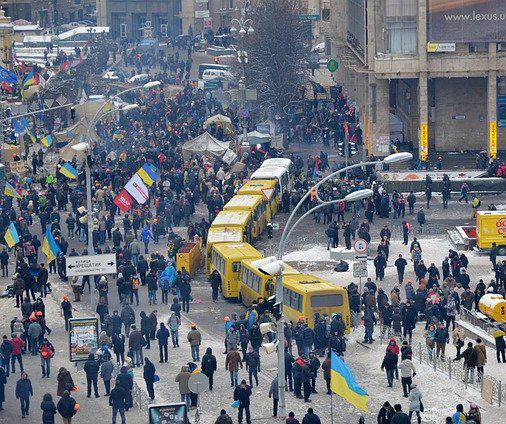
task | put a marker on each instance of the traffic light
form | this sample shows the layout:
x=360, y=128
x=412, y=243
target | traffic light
x=352, y=148
x=73, y=113
x=340, y=148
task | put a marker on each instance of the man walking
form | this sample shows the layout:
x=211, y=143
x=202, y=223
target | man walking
x=91, y=368
x=118, y=401
x=242, y=393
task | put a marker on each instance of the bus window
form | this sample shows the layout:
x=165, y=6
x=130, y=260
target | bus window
x=236, y=266
x=326, y=301
x=292, y=299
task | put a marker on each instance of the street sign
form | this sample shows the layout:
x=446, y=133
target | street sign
x=332, y=65
x=268, y=192
x=309, y=17
x=275, y=226
x=198, y=383
x=360, y=269
x=360, y=246
x=91, y=265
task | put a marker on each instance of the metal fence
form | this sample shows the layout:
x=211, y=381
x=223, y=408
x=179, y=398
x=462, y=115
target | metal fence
x=456, y=371
x=140, y=398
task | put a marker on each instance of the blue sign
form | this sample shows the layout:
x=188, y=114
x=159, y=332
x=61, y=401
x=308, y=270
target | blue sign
x=309, y=17
x=501, y=111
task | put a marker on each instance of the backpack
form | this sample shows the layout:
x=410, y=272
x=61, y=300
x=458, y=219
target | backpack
x=46, y=351
x=135, y=283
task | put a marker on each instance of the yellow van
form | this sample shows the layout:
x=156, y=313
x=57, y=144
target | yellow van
x=226, y=259
x=254, y=284
x=221, y=235
x=304, y=295
x=231, y=219
x=253, y=203
x=257, y=187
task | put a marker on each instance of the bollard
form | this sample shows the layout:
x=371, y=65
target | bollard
x=450, y=368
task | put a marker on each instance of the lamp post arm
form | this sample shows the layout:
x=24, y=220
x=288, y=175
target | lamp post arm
x=281, y=246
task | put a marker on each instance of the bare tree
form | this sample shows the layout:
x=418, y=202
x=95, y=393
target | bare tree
x=278, y=52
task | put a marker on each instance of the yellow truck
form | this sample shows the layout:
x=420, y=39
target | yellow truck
x=490, y=228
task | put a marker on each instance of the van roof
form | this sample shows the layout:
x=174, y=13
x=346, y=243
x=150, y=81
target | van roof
x=256, y=186
x=231, y=218
x=224, y=234
x=254, y=264
x=268, y=172
x=306, y=283
x=237, y=251
x=244, y=201
x=283, y=162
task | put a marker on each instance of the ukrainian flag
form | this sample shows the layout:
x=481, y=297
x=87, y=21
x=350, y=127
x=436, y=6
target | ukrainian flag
x=31, y=79
x=343, y=384
x=68, y=170
x=49, y=246
x=11, y=191
x=11, y=235
x=147, y=174
x=47, y=140
x=31, y=135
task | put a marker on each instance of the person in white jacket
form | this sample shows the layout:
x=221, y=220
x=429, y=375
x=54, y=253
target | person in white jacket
x=408, y=371
x=415, y=403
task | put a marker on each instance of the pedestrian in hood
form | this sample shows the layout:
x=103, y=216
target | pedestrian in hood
x=311, y=417
x=91, y=368
x=149, y=377
x=224, y=418
x=209, y=366
x=182, y=378
x=65, y=381
x=415, y=403
x=67, y=407
x=242, y=393
x=48, y=409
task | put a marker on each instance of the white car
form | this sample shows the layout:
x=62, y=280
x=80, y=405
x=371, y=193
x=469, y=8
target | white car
x=210, y=74
x=139, y=79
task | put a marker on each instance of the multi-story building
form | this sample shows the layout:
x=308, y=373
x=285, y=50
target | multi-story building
x=49, y=12
x=429, y=71
x=130, y=18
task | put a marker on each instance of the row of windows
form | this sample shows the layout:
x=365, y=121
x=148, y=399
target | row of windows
x=251, y=279
x=219, y=263
x=292, y=299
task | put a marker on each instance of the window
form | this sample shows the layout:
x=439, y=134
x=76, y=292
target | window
x=325, y=14
x=123, y=30
x=401, y=26
x=326, y=301
x=236, y=266
x=231, y=4
x=292, y=299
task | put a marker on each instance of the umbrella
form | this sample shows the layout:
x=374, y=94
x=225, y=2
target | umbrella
x=255, y=137
x=218, y=119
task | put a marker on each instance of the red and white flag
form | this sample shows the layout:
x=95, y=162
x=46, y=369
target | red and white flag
x=124, y=201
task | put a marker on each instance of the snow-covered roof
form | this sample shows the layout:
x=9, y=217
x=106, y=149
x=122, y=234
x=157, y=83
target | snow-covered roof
x=83, y=30
x=31, y=27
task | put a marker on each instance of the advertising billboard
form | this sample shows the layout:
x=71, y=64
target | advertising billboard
x=467, y=21
x=171, y=413
x=83, y=338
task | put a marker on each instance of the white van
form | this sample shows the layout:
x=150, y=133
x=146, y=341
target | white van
x=273, y=172
x=210, y=74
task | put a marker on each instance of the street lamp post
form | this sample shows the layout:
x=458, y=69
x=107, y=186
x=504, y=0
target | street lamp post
x=245, y=28
x=287, y=231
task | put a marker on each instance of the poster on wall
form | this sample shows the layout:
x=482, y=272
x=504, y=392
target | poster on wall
x=83, y=338
x=170, y=413
x=467, y=21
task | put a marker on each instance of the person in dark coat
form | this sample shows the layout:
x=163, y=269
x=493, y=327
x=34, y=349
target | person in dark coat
x=125, y=380
x=162, y=335
x=242, y=393
x=385, y=413
x=118, y=400
x=66, y=406
x=91, y=368
x=149, y=377
x=23, y=392
x=3, y=382
x=65, y=381
x=48, y=409
x=320, y=337
x=209, y=366
x=311, y=417
x=224, y=418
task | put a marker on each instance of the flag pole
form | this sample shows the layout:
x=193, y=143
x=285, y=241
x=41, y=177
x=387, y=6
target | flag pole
x=331, y=407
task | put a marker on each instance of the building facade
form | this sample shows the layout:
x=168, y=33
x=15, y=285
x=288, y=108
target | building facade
x=424, y=71
x=49, y=13
x=130, y=18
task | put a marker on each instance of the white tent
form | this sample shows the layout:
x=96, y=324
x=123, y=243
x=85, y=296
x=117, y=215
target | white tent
x=205, y=144
x=255, y=137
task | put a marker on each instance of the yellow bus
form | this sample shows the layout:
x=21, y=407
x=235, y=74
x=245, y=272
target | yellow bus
x=256, y=187
x=304, y=295
x=221, y=235
x=226, y=259
x=254, y=284
x=255, y=204
x=235, y=219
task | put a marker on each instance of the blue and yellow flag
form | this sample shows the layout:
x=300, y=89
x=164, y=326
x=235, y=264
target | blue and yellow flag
x=31, y=135
x=11, y=235
x=49, y=246
x=147, y=174
x=31, y=79
x=11, y=191
x=343, y=384
x=47, y=140
x=68, y=170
